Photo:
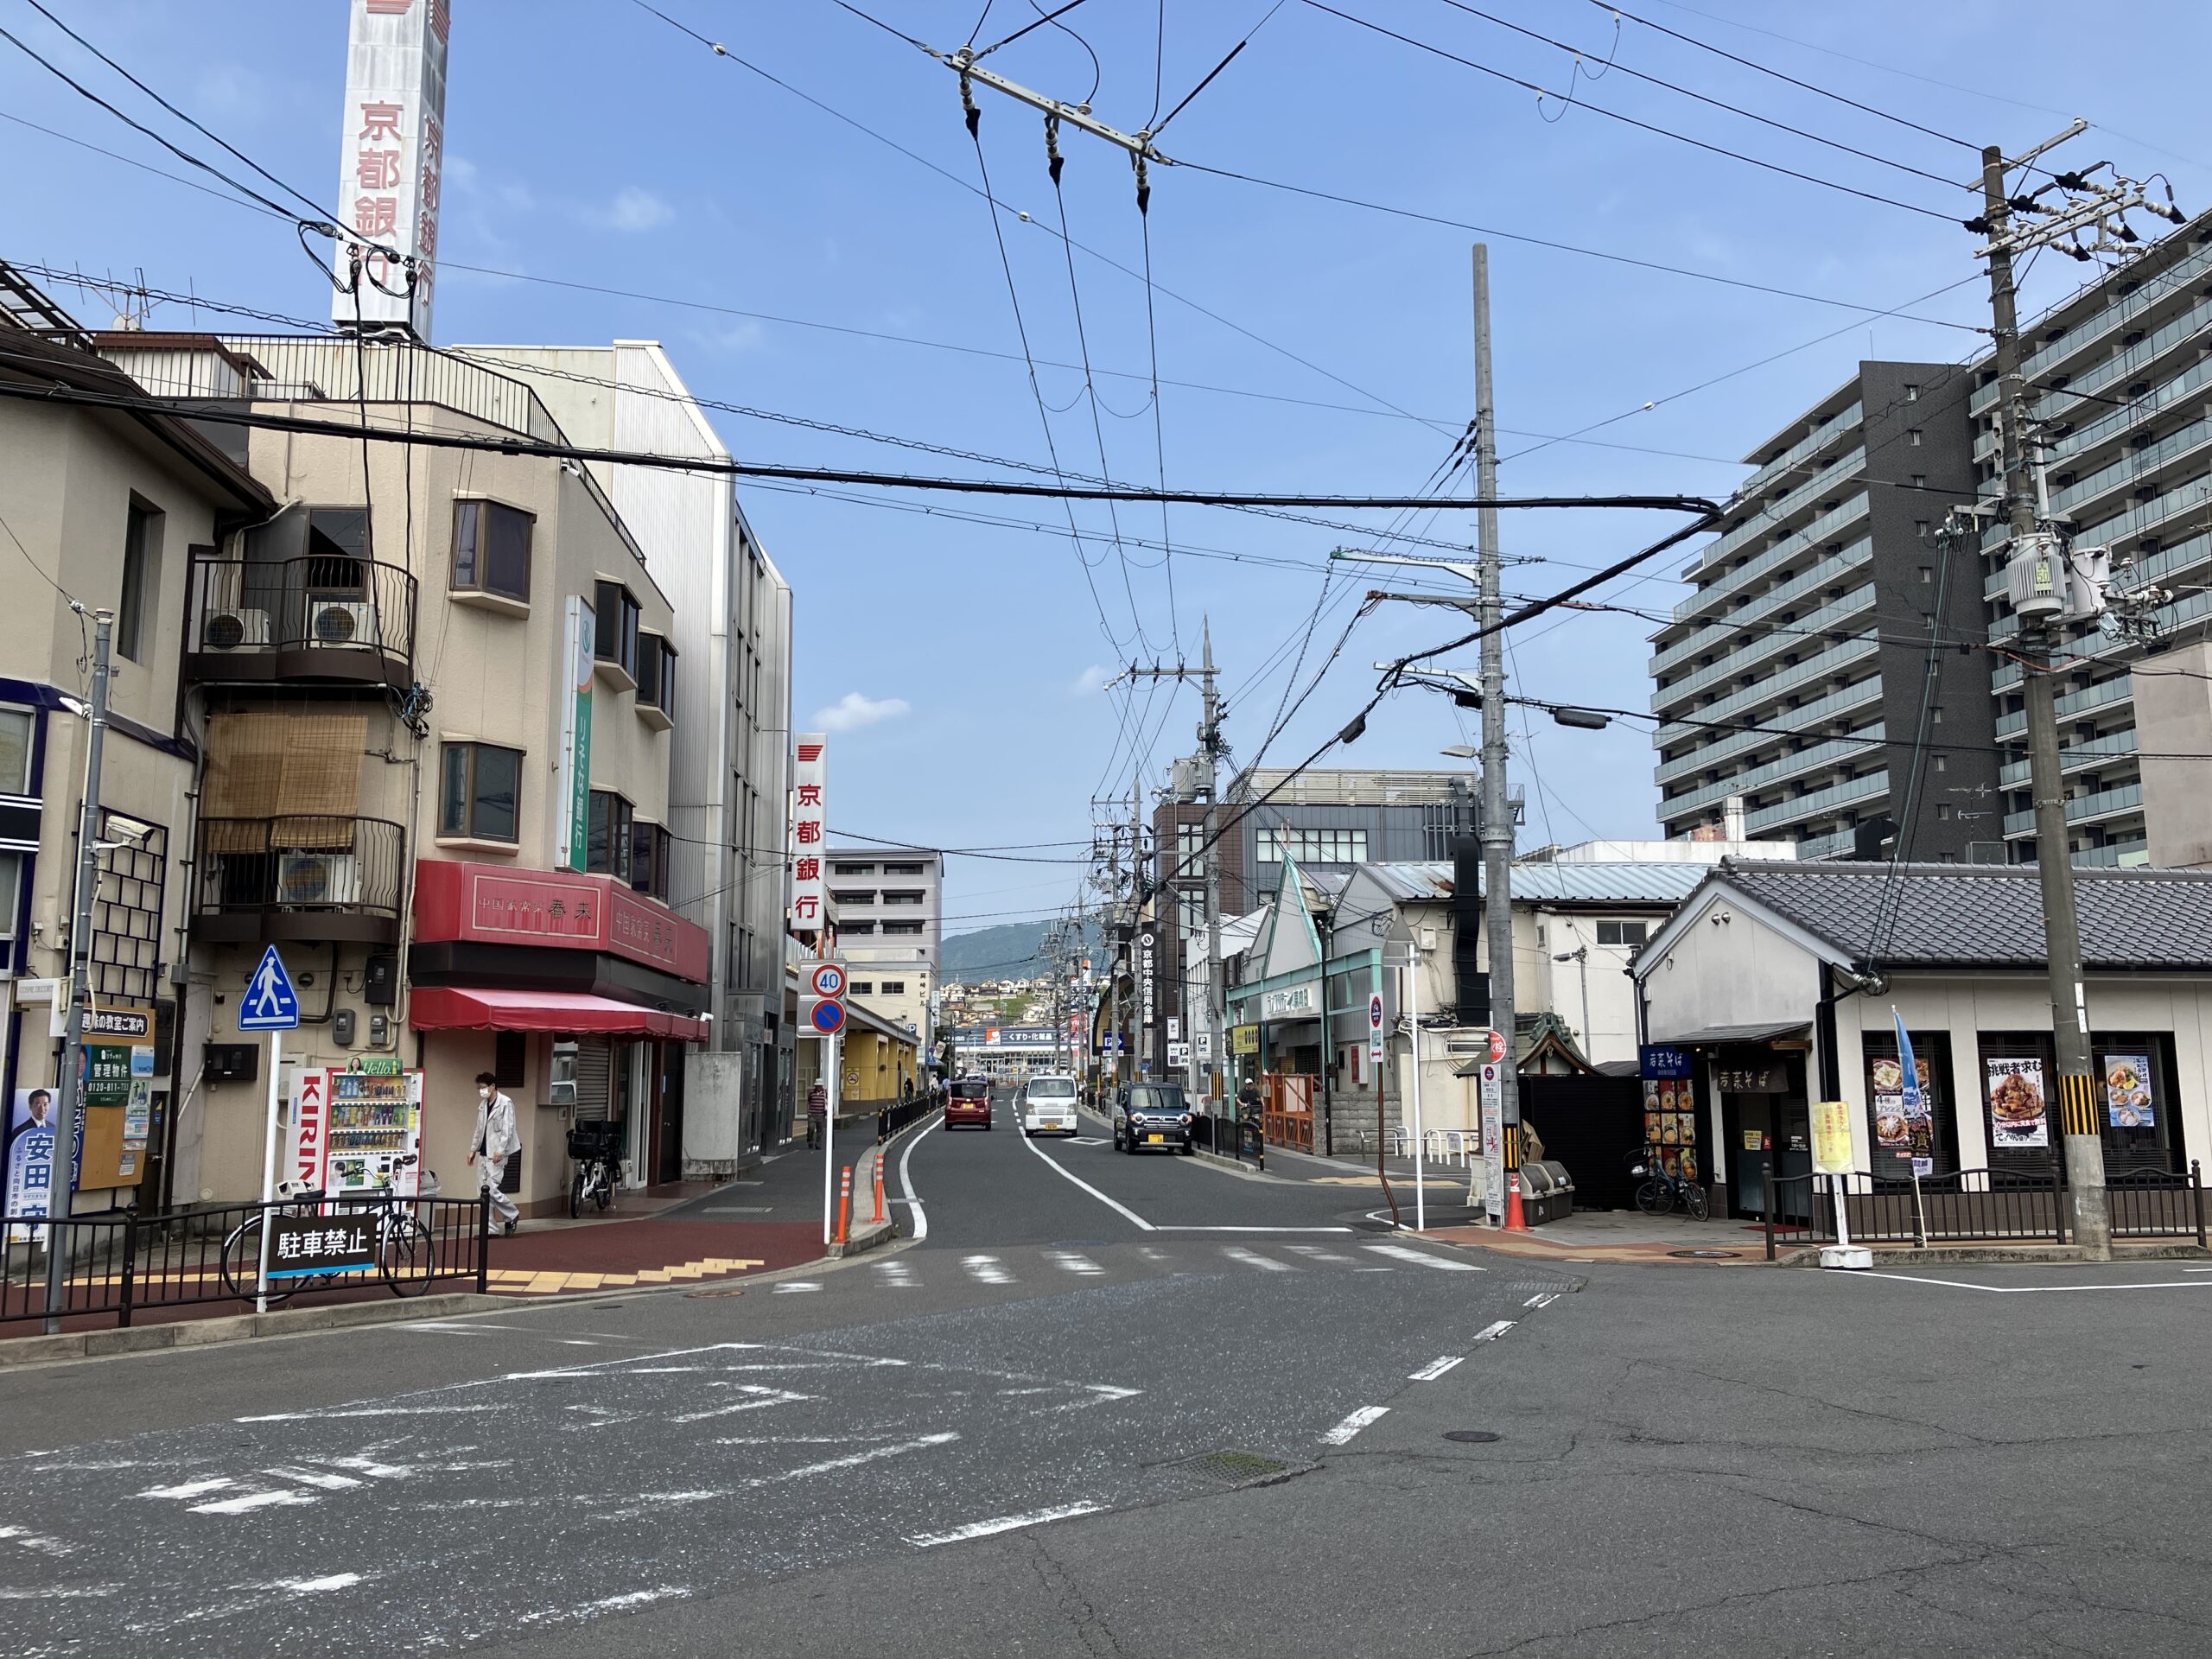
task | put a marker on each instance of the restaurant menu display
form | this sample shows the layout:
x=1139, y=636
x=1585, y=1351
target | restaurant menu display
x=1670, y=1124
x=1907, y=1129
x=2127, y=1092
x=2018, y=1115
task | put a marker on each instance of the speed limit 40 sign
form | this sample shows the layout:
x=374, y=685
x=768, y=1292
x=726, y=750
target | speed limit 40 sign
x=828, y=979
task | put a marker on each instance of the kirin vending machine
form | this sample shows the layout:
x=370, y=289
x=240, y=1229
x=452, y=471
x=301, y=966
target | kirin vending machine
x=354, y=1138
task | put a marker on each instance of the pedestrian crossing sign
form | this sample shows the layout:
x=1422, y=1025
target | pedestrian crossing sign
x=269, y=1002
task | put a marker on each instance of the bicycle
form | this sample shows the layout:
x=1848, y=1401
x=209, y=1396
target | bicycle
x=404, y=1251
x=1661, y=1193
x=598, y=1169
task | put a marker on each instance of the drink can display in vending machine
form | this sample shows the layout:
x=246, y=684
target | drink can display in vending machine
x=375, y=1120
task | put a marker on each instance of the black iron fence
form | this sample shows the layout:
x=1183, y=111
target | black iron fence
x=302, y=860
x=1978, y=1206
x=893, y=1115
x=322, y=602
x=122, y=1264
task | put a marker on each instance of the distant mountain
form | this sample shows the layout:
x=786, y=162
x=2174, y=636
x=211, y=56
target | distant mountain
x=1012, y=951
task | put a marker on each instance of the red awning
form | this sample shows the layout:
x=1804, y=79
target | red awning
x=446, y=1007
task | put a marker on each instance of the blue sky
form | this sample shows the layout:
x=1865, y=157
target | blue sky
x=594, y=144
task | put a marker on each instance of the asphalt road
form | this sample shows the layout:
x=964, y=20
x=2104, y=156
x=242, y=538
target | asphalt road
x=1076, y=1417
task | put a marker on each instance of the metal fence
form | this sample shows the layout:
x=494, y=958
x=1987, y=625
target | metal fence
x=1978, y=1206
x=122, y=1264
x=303, y=860
x=319, y=602
x=893, y=1115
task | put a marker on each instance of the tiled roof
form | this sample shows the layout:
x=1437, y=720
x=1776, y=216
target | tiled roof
x=1986, y=915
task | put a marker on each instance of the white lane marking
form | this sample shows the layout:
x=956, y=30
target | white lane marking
x=1168, y=1227
x=1069, y=1262
x=363, y=1411
x=1492, y=1332
x=1316, y=1253
x=190, y=1488
x=854, y=1459
x=315, y=1587
x=1115, y=1205
x=316, y=1478
x=1351, y=1426
x=795, y=1287
x=1400, y=1252
x=906, y=1180
x=252, y=1501
x=1435, y=1368
x=376, y=1470
x=987, y=1269
x=1542, y=1298
x=2031, y=1290
x=1244, y=1257
x=46, y=1590
x=1374, y=1269
x=1001, y=1524
x=762, y=1398
x=605, y=1604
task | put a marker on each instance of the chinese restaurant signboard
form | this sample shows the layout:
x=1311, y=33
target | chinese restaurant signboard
x=810, y=821
x=390, y=158
x=487, y=904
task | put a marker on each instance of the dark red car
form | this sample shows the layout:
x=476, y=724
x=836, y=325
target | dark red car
x=969, y=1102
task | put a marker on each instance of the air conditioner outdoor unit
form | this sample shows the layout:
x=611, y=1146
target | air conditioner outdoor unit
x=342, y=622
x=229, y=630
x=307, y=879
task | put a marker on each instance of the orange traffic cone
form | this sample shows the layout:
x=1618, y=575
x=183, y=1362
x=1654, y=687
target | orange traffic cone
x=1514, y=1221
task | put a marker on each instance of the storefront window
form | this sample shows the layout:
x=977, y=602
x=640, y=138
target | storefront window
x=2135, y=1101
x=2017, y=1110
x=1897, y=1134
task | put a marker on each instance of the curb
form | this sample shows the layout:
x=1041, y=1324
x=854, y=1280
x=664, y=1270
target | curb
x=868, y=1235
x=236, y=1327
x=2000, y=1256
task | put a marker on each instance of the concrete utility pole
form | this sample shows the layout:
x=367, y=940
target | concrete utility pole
x=61, y=1198
x=1495, y=826
x=2046, y=588
x=1210, y=750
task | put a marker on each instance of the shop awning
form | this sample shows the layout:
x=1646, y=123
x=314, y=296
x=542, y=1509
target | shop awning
x=1714, y=1036
x=447, y=1007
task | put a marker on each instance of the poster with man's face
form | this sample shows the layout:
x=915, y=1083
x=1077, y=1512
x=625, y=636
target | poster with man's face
x=32, y=1148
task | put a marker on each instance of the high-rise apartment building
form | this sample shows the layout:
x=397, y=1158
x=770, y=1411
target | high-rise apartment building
x=1813, y=668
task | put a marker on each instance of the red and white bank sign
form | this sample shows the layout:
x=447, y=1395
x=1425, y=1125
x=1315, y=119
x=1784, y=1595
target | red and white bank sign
x=391, y=158
x=809, y=828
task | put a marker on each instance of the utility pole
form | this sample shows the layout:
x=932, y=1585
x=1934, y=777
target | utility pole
x=62, y=1198
x=1495, y=826
x=1210, y=750
x=2046, y=588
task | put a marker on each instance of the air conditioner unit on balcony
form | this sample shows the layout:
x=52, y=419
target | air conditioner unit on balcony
x=309, y=879
x=229, y=630
x=342, y=622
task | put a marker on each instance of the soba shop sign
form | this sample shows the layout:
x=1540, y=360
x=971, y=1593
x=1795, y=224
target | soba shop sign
x=1751, y=1079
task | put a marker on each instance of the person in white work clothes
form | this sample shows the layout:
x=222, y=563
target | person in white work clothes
x=498, y=1141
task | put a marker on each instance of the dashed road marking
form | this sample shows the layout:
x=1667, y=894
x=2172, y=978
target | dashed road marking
x=1244, y=1257
x=1542, y=1298
x=1001, y=1524
x=1343, y=1430
x=1319, y=1254
x=1435, y=1368
x=1070, y=1262
x=1492, y=1332
x=1400, y=1252
x=987, y=1269
x=795, y=1287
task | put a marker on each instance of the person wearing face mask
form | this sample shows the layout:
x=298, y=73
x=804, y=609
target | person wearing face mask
x=497, y=1140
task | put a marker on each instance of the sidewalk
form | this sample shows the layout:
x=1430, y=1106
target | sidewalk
x=1624, y=1235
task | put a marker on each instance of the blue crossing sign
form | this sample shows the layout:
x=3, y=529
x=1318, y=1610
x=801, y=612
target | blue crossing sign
x=269, y=1002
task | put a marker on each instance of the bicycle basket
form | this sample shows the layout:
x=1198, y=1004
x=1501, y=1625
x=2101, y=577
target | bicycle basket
x=592, y=1141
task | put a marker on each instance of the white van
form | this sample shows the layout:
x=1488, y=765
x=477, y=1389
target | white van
x=1048, y=1104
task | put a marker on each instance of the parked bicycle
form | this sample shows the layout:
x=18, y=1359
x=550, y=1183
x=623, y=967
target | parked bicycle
x=404, y=1253
x=1660, y=1191
x=598, y=1167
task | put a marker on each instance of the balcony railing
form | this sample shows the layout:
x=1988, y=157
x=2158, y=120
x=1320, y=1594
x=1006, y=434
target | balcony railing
x=1821, y=436
x=1724, y=588
x=304, y=875
x=2083, y=809
x=316, y=617
x=1819, y=575
x=1806, y=717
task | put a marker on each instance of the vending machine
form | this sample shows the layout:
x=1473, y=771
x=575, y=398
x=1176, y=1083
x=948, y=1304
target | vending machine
x=373, y=1120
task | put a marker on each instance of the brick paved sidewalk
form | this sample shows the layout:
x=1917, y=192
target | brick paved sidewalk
x=649, y=1251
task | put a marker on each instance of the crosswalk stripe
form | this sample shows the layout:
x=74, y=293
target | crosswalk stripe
x=1400, y=1253
x=1321, y=1255
x=1069, y=1262
x=1244, y=1257
x=987, y=1269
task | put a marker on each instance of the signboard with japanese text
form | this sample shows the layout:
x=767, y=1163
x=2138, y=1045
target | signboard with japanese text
x=392, y=162
x=579, y=641
x=2018, y=1109
x=1492, y=1086
x=33, y=1139
x=809, y=828
x=1243, y=1039
x=1832, y=1137
x=486, y=903
x=1290, y=1002
x=299, y=1245
x=1663, y=1060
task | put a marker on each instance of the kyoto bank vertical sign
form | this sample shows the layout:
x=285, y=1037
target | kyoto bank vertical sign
x=810, y=821
x=390, y=158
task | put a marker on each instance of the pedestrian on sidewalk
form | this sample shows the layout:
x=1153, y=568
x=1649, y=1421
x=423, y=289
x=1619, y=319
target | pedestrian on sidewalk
x=497, y=1140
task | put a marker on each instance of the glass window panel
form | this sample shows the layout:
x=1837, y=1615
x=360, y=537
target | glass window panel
x=498, y=789
x=16, y=727
x=506, y=552
x=452, y=792
x=468, y=518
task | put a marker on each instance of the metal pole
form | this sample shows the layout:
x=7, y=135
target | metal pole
x=270, y=1132
x=2088, y=1201
x=1413, y=1015
x=68, y=1124
x=1496, y=828
x=835, y=1048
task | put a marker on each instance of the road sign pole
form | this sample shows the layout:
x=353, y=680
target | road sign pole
x=835, y=1046
x=268, y=1168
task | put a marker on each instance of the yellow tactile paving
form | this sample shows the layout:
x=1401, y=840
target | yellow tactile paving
x=526, y=1281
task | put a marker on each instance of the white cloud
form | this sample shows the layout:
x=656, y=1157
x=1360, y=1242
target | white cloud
x=634, y=209
x=1087, y=682
x=852, y=711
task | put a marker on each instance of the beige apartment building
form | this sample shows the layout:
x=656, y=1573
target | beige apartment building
x=436, y=688
x=108, y=510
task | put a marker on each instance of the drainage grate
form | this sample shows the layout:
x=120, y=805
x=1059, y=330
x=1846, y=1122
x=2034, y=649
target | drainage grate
x=1234, y=1468
x=1706, y=1255
x=1472, y=1436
